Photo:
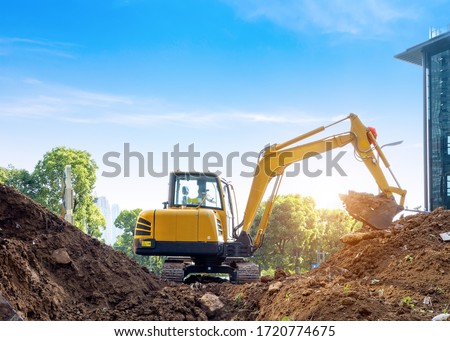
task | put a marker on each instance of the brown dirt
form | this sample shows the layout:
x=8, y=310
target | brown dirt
x=378, y=211
x=360, y=201
x=49, y=270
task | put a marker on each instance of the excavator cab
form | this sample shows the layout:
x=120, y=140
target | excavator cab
x=192, y=190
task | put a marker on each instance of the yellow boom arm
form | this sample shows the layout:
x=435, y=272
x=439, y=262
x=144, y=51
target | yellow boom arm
x=276, y=158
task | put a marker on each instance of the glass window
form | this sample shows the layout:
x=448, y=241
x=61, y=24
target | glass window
x=448, y=145
x=439, y=125
x=197, y=190
x=448, y=185
x=231, y=209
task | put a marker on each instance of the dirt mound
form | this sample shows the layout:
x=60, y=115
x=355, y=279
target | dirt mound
x=401, y=274
x=49, y=270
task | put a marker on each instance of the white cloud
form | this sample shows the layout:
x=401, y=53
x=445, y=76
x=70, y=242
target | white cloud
x=87, y=98
x=32, y=81
x=330, y=16
x=14, y=45
x=32, y=107
x=290, y=118
x=149, y=118
x=40, y=100
x=211, y=119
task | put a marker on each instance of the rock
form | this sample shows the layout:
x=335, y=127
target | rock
x=441, y=317
x=348, y=301
x=197, y=286
x=7, y=313
x=266, y=279
x=211, y=304
x=356, y=237
x=60, y=256
x=307, y=292
x=280, y=273
x=363, y=311
x=427, y=300
x=275, y=287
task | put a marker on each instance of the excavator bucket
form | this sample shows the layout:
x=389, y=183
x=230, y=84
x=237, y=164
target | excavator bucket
x=377, y=211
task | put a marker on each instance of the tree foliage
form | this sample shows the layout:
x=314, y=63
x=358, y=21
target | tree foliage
x=45, y=185
x=297, y=230
x=49, y=174
x=4, y=174
x=334, y=224
x=20, y=179
x=126, y=221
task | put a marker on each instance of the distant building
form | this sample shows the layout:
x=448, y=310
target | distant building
x=110, y=233
x=434, y=57
x=115, y=211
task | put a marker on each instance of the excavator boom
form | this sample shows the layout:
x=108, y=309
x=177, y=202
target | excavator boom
x=275, y=158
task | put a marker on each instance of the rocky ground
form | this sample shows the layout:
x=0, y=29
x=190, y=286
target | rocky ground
x=49, y=270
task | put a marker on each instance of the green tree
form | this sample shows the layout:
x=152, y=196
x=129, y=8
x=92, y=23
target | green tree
x=335, y=223
x=291, y=228
x=297, y=230
x=126, y=221
x=48, y=173
x=4, y=174
x=20, y=179
x=303, y=209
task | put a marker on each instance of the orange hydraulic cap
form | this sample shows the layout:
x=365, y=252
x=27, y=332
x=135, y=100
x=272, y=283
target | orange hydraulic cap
x=373, y=131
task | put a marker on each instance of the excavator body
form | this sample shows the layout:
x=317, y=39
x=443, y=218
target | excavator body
x=198, y=229
x=193, y=230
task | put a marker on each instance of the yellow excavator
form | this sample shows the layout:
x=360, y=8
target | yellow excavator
x=198, y=229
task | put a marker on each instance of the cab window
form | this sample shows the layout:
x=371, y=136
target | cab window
x=197, y=190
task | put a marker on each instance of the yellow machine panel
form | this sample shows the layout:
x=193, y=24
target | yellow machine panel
x=145, y=225
x=208, y=227
x=176, y=225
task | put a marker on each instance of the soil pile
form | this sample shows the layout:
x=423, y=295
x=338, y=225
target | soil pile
x=49, y=270
x=400, y=274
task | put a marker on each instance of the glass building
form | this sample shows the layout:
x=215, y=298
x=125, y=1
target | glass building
x=434, y=57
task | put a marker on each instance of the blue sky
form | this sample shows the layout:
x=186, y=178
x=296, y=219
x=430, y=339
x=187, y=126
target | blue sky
x=227, y=76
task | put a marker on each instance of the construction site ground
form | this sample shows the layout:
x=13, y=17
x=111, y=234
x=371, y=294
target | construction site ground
x=49, y=270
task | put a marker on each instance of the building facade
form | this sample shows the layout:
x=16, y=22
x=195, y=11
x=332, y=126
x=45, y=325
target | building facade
x=434, y=57
x=111, y=212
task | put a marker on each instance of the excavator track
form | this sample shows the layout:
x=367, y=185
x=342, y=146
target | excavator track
x=247, y=272
x=173, y=268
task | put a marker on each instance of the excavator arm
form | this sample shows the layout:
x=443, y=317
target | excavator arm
x=275, y=158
